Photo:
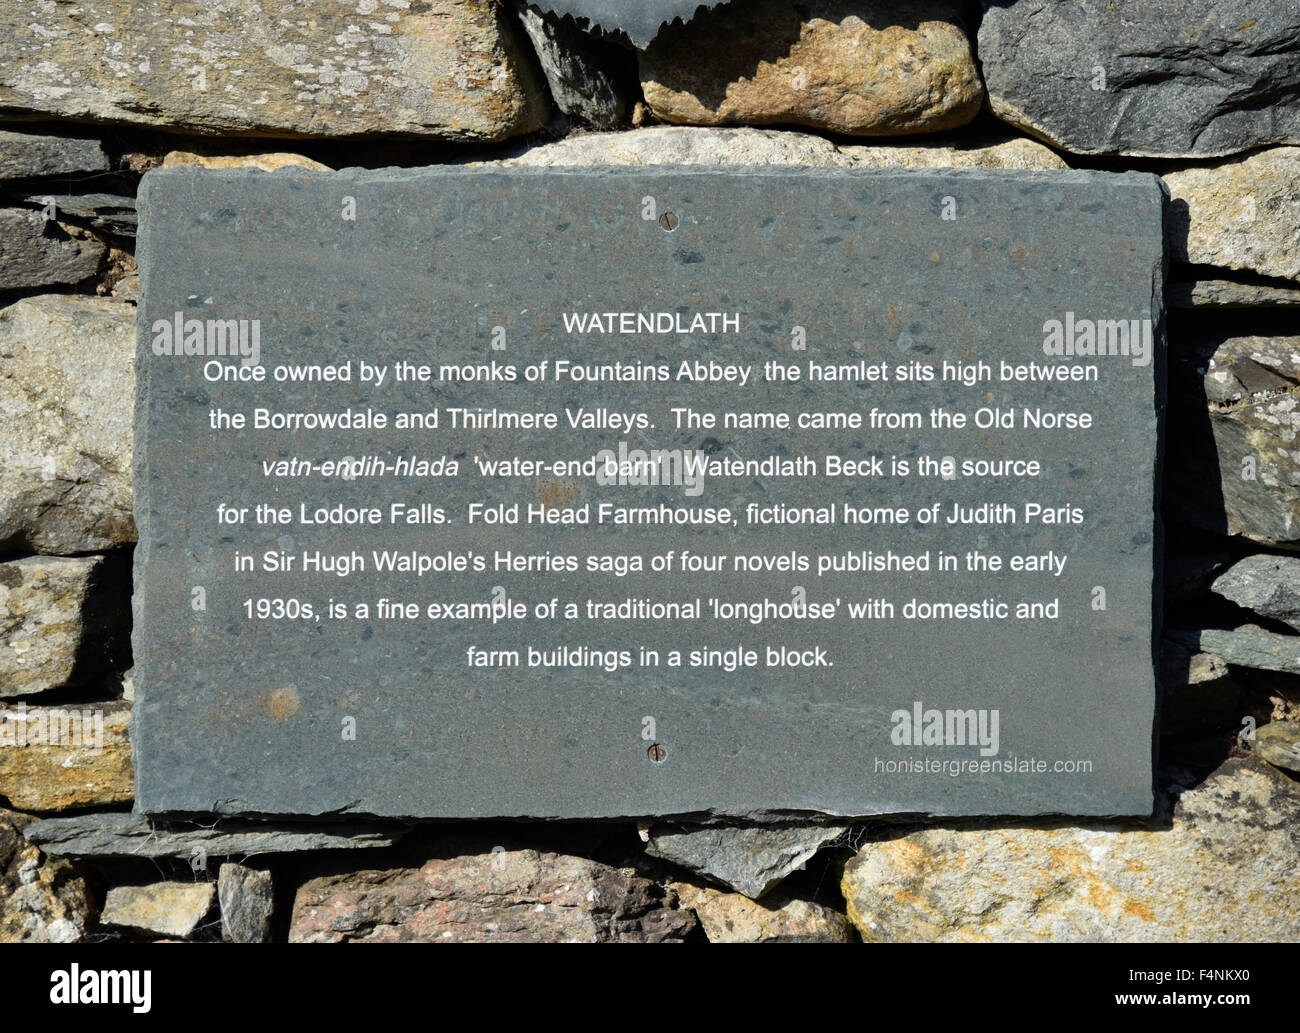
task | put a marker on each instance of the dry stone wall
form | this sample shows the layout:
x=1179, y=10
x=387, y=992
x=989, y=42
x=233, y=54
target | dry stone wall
x=1205, y=94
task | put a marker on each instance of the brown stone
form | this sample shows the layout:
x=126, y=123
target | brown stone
x=506, y=896
x=82, y=760
x=269, y=161
x=864, y=67
x=734, y=918
x=41, y=900
x=1220, y=868
x=172, y=909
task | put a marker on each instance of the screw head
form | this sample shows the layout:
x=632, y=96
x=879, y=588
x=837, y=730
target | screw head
x=656, y=753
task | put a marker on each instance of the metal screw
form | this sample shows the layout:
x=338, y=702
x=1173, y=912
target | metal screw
x=668, y=221
x=656, y=753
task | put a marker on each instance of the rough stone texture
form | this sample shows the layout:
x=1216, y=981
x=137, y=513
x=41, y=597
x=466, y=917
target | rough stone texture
x=638, y=20
x=57, y=622
x=1213, y=293
x=751, y=859
x=78, y=769
x=1240, y=214
x=520, y=896
x=680, y=145
x=265, y=738
x=1015, y=153
x=133, y=835
x=41, y=900
x=1223, y=870
x=269, y=161
x=25, y=155
x=247, y=899
x=734, y=918
x=452, y=69
x=864, y=67
x=581, y=70
x=689, y=145
x=1248, y=646
x=1236, y=397
x=1278, y=742
x=35, y=252
x=165, y=908
x=1268, y=585
x=1194, y=78
x=106, y=213
x=67, y=381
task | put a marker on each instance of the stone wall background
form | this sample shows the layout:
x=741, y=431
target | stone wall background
x=1205, y=94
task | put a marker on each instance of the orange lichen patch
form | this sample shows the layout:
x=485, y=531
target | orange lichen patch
x=282, y=704
x=554, y=494
x=1133, y=907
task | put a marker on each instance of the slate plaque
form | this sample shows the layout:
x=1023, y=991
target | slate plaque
x=835, y=639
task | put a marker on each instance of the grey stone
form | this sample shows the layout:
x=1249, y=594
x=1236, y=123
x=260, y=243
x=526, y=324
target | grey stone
x=36, y=252
x=449, y=69
x=1247, y=646
x=107, y=213
x=66, y=386
x=172, y=909
x=132, y=835
x=638, y=20
x=28, y=155
x=436, y=738
x=1234, y=398
x=1150, y=78
x=247, y=899
x=582, y=71
x=1278, y=742
x=56, y=618
x=1215, y=293
x=1269, y=585
x=1218, y=866
x=751, y=859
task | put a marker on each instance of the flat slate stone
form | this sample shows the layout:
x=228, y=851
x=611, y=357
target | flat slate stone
x=751, y=859
x=27, y=155
x=111, y=213
x=242, y=714
x=35, y=252
x=114, y=834
x=1147, y=78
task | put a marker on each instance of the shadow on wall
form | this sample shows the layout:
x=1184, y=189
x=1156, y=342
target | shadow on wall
x=105, y=649
x=1193, y=486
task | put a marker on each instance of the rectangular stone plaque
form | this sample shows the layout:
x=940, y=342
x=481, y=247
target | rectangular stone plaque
x=588, y=493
